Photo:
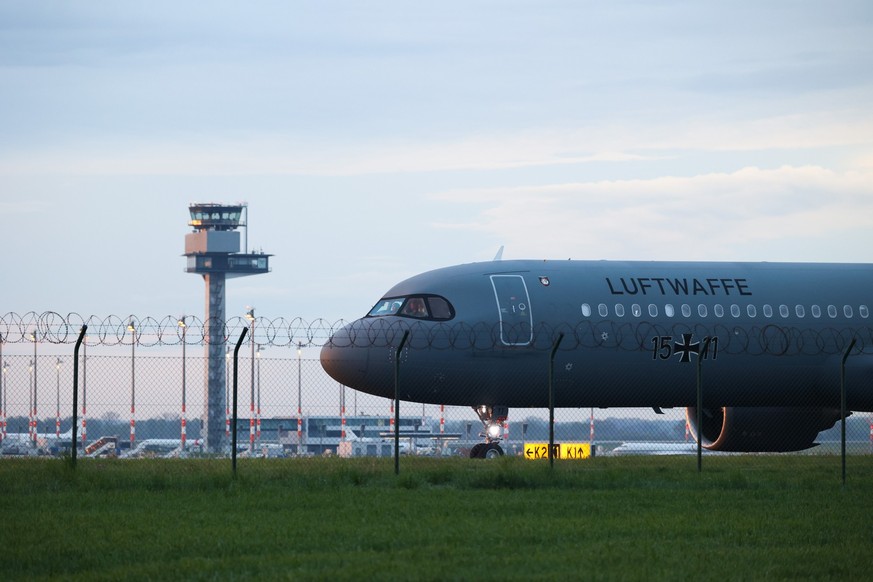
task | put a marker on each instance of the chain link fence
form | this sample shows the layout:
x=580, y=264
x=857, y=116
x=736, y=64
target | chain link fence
x=142, y=392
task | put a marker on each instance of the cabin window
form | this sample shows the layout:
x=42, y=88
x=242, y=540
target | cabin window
x=619, y=310
x=752, y=310
x=832, y=311
x=636, y=310
x=669, y=311
x=653, y=310
x=800, y=311
x=735, y=310
x=865, y=313
x=603, y=310
x=586, y=310
x=701, y=310
x=768, y=310
x=719, y=310
x=686, y=310
x=816, y=311
x=783, y=311
x=847, y=311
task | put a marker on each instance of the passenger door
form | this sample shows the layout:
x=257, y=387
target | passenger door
x=513, y=309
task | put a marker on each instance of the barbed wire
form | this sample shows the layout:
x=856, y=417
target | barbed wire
x=114, y=330
x=616, y=335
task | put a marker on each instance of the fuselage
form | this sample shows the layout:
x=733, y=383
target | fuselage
x=617, y=334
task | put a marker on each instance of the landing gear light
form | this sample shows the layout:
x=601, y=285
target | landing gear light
x=492, y=418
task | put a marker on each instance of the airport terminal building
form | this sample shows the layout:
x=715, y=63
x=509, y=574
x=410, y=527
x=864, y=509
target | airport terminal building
x=353, y=436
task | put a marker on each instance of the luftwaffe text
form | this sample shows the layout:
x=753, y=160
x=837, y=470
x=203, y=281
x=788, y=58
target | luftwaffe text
x=675, y=286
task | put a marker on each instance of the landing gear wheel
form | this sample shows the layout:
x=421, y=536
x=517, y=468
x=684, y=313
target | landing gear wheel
x=492, y=418
x=478, y=451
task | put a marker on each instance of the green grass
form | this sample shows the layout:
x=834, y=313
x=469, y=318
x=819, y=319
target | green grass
x=440, y=519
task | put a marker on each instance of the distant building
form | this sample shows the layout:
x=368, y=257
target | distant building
x=323, y=434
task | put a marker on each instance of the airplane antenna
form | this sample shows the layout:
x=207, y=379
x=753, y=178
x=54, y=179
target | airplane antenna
x=499, y=255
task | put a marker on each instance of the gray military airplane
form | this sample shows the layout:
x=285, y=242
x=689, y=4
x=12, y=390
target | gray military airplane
x=769, y=339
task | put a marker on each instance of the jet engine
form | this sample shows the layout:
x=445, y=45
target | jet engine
x=771, y=430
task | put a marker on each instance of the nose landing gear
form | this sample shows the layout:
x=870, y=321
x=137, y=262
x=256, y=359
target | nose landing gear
x=492, y=418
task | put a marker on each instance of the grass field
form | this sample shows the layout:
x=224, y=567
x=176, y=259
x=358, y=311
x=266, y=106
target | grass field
x=440, y=519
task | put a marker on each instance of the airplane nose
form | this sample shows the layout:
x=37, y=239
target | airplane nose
x=343, y=360
x=360, y=355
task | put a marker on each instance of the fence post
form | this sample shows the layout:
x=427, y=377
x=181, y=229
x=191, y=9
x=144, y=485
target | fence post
x=73, y=442
x=2, y=400
x=699, y=414
x=397, y=403
x=235, y=377
x=552, y=400
x=843, y=406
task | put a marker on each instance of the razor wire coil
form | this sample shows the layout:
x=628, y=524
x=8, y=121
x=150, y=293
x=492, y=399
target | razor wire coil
x=113, y=330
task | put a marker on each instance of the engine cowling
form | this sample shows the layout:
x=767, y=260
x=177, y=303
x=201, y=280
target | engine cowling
x=766, y=429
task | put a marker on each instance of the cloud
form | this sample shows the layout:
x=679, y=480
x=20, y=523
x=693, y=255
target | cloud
x=717, y=216
x=22, y=207
x=272, y=155
x=265, y=154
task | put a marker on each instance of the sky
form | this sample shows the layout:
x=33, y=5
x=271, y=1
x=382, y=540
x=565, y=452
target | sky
x=377, y=140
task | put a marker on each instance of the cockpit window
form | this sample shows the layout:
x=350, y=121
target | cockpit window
x=439, y=308
x=414, y=307
x=386, y=307
x=417, y=306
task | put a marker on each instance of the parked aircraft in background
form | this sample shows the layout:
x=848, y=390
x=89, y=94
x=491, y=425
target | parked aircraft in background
x=645, y=448
x=769, y=338
x=43, y=440
x=160, y=447
x=408, y=444
x=352, y=436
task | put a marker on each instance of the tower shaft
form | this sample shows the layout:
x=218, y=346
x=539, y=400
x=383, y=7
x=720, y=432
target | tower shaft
x=215, y=396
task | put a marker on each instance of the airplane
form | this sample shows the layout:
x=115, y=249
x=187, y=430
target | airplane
x=353, y=437
x=655, y=448
x=43, y=440
x=161, y=447
x=408, y=444
x=409, y=447
x=768, y=338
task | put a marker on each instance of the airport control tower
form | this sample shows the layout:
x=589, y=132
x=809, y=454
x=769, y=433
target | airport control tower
x=213, y=251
